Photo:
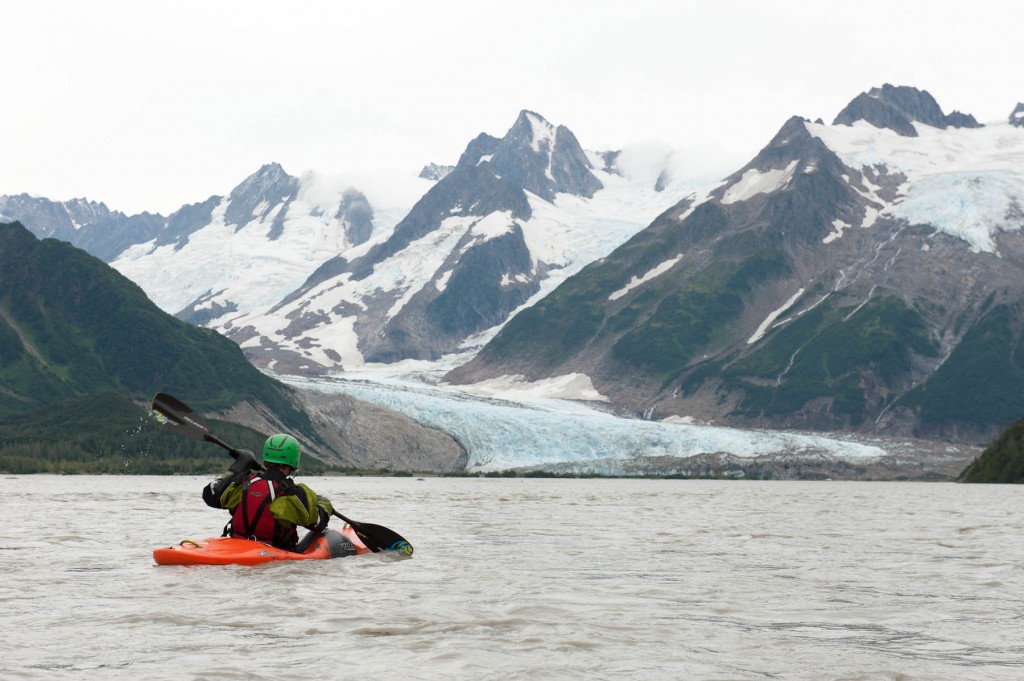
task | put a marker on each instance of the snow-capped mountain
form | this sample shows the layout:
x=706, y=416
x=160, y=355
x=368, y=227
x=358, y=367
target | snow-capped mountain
x=253, y=246
x=308, y=273
x=514, y=218
x=227, y=254
x=864, y=275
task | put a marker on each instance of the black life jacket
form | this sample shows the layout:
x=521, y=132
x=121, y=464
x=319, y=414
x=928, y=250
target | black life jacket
x=252, y=518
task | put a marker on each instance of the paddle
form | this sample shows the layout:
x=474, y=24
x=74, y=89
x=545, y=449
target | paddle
x=377, y=537
x=171, y=412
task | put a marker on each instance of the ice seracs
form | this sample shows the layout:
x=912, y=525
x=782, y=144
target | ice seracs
x=967, y=182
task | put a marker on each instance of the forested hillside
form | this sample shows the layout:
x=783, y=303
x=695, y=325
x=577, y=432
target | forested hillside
x=1002, y=461
x=83, y=350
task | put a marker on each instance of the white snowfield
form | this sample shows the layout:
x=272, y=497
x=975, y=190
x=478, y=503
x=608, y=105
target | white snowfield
x=567, y=234
x=967, y=182
x=756, y=182
x=775, y=314
x=241, y=264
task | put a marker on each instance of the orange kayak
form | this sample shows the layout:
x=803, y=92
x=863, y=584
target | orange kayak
x=228, y=551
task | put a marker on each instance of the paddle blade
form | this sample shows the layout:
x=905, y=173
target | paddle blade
x=171, y=412
x=379, y=538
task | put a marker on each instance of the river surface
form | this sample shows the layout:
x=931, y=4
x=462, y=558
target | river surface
x=526, y=579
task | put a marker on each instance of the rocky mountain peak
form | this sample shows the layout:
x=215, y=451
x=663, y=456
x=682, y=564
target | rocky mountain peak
x=898, y=108
x=1017, y=116
x=71, y=214
x=261, y=191
x=533, y=130
x=541, y=158
x=90, y=225
x=434, y=171
x=791, y=142
x=356, y=213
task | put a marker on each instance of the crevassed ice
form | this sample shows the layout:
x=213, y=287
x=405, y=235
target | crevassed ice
x=508, y=431
x=962, y=181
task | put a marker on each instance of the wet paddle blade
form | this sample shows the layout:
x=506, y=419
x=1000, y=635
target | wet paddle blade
x=178, y=416
x=379, y=538
x=172, y=413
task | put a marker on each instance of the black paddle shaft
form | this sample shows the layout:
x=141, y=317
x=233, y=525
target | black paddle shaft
x=171, y=412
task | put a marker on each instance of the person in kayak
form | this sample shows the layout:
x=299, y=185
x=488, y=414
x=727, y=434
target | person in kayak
x=265, y=503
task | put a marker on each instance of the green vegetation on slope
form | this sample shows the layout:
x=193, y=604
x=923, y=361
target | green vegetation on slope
x=562, y=324
x=982, y=381
x=1002, y=461
x=827, y=353
x=72, y=328
x=558, y=326
x=686, y=320
x=107, y=433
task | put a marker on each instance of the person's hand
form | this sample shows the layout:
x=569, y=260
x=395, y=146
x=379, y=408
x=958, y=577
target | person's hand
x=244, y=460
x=325, y=518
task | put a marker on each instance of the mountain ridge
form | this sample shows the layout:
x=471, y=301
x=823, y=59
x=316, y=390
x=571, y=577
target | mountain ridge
x=885, y=246
x=815, y=251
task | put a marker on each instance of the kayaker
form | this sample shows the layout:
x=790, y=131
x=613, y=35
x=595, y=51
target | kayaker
x=266, y=504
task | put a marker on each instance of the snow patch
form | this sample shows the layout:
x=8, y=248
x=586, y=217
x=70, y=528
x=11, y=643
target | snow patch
x=541, y=131
x=770, y=319
x=870, y=217
x=680, y=420
x=651, y=274
x=756, y=182
x=508, y=280
x=839, y=227
x=442, y=282
x=566, y=387
x=493, y=225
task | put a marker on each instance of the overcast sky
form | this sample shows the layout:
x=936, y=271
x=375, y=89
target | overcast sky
x=149, y=106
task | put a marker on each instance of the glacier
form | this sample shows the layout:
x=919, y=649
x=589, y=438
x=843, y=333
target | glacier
x=525, y=429
x=963, y=181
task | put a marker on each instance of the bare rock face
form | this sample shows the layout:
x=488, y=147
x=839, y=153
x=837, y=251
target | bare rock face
x=898, y=107
x=348, y=432
x=1017, y=117
x=366, y=436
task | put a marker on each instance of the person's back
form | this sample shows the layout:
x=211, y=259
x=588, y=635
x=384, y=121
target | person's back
x=266, y=504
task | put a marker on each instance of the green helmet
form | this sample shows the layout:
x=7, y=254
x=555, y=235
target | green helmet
x=281, y=448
